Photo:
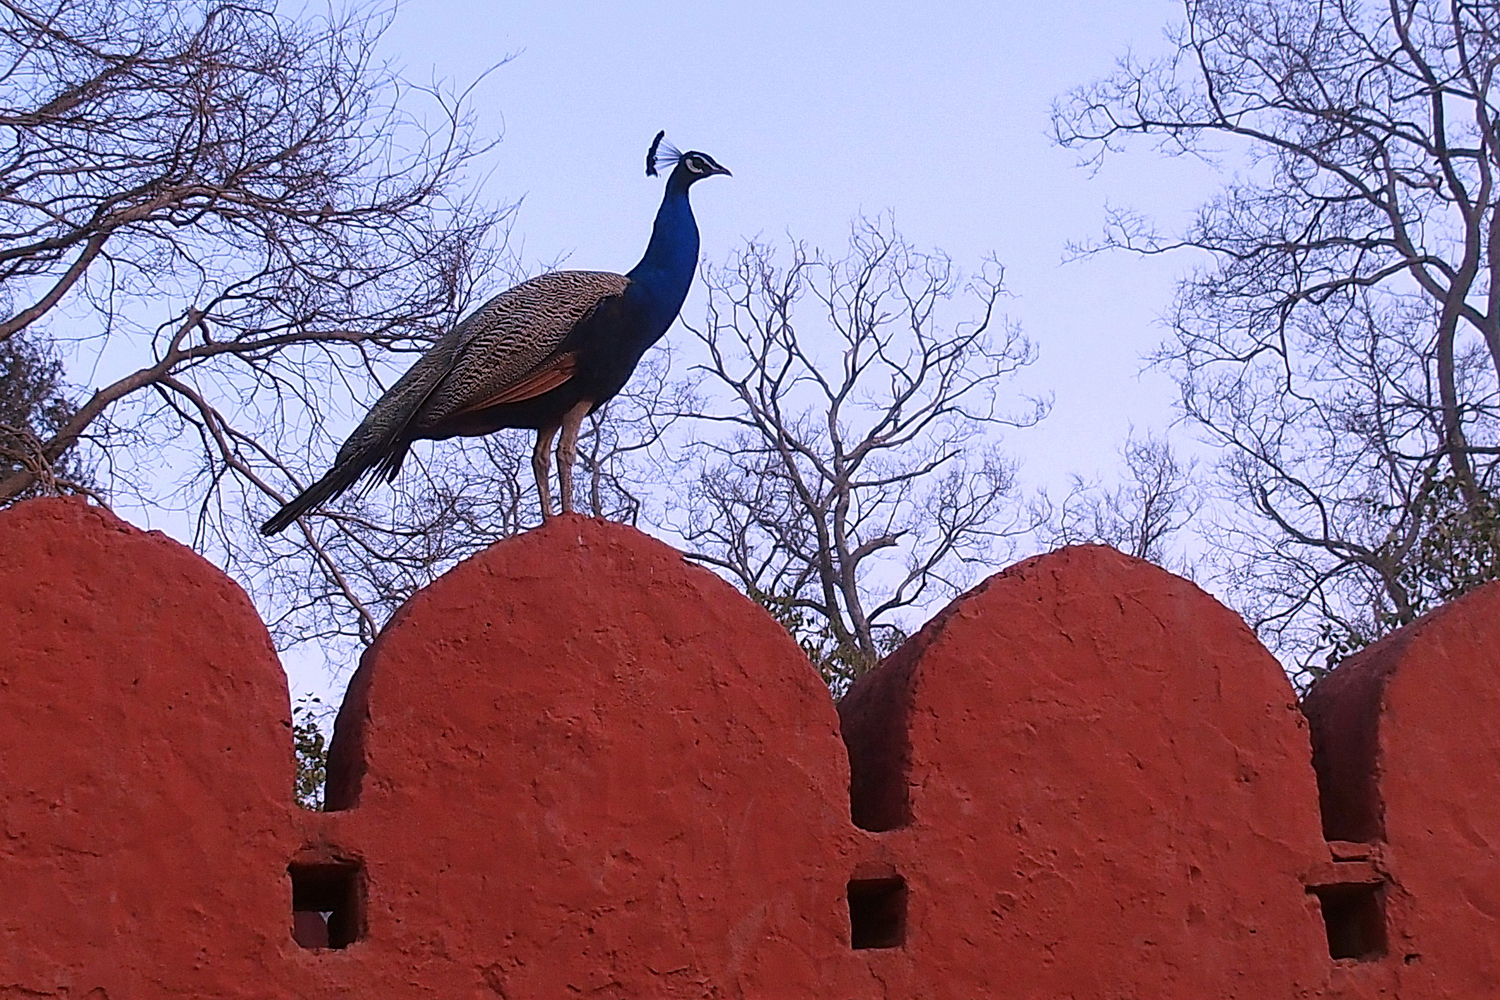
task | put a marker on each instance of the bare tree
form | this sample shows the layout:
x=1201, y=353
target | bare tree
x=1139, y=516
x=244, y=223
x=1342, y=343
x=618, y=452
x=851, y=476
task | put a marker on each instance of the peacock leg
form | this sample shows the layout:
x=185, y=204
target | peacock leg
x=567, y=450
x=540, y=459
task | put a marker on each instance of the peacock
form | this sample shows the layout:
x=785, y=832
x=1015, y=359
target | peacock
x=543, y=355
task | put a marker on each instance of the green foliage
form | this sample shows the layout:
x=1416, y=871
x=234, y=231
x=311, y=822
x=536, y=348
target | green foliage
x=33, y=407
x=1458, y=550
x=1455, y=550
x=312, y=751
x=838, y=662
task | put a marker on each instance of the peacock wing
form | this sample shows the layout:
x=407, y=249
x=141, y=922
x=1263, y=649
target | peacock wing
x=512, y=343
x=393, y=412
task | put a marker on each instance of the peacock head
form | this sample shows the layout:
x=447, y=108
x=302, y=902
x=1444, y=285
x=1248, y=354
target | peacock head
x=691, y=165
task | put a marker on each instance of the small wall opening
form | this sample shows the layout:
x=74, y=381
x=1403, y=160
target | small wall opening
x=327, y=903
x=877, y=912
x=1354, y=917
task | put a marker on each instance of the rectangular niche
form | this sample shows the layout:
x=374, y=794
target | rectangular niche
x=327, y=903
x=1354, y=917
x=877, y=912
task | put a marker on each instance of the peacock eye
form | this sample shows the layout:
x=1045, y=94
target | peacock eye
x=695, y=165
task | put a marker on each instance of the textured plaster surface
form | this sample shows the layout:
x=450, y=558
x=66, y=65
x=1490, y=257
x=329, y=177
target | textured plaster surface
x=577, y=765
x=1407, y=739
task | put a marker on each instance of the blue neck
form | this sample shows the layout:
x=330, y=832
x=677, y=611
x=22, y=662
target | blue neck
x=666, y=269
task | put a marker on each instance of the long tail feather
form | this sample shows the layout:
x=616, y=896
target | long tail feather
x=337, y=480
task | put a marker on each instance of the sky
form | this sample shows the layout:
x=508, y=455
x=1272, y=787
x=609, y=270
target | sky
x=936, y=113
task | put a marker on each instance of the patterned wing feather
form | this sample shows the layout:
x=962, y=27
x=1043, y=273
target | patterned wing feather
x=504, y=350
x=393, y=412
x=557, y=370
x=512, y=336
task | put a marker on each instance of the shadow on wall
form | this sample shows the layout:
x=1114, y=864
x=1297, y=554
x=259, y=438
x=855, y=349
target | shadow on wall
x=579, y=764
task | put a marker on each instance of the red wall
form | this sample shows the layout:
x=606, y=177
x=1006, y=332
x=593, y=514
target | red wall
x=577, y=765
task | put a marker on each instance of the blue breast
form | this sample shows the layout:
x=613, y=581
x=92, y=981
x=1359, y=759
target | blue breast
x=661, y=280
